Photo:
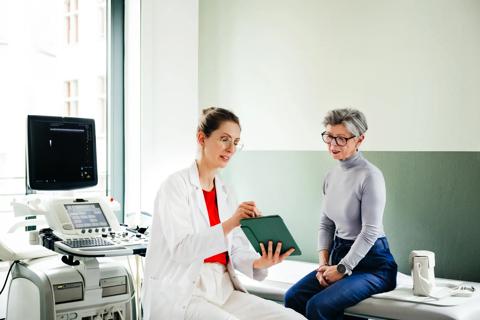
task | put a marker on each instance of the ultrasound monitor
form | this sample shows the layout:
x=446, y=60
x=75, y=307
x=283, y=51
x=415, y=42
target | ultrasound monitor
x=87, y=215
x=61, y=153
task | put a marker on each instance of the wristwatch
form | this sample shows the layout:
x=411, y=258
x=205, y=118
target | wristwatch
x=341, y=268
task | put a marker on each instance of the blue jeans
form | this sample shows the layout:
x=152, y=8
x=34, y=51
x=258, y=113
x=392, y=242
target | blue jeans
x=376, y=272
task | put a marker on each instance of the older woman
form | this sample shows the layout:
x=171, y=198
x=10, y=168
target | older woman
x=354, y=257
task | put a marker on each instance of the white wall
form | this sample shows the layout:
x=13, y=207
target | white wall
x=169, y=91
x=412, y=66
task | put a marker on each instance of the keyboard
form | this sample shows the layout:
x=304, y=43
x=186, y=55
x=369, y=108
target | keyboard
x=87, y=242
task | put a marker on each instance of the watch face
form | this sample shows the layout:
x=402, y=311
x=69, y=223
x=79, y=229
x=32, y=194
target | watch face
x=341, y=268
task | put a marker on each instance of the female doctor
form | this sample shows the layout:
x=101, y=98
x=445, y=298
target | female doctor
x=195, y=241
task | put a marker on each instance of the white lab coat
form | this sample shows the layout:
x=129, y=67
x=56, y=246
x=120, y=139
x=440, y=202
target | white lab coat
x=181, y=238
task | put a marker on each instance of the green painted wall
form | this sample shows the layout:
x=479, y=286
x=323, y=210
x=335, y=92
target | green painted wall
x=433, y=201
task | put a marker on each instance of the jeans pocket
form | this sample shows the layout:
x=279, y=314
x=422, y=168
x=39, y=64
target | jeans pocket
x=385, y=244
x=339, y=251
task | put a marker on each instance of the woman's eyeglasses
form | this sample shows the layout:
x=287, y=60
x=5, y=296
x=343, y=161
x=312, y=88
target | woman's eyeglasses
x=339, y=141
x=228, y=142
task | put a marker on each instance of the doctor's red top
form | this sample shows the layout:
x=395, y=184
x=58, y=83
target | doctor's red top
x=212, y=208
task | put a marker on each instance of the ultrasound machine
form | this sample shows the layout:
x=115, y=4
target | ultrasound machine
x=80, y=281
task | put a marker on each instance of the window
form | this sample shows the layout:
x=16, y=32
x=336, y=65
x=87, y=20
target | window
x=101, y=105
x=102, y=25
x=3, y=22
x=71, y=98
x=43, y=74
x=71, y=21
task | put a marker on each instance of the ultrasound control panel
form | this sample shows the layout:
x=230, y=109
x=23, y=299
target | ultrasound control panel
x=88, y=227
x=85, y=217
x=126, y=243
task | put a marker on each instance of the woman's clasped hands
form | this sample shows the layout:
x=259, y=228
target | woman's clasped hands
x=327, y=275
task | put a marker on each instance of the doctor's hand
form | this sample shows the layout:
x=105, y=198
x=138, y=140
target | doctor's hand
x=246, y=209
x=270, y=258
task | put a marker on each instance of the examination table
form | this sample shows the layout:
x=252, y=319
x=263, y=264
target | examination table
x=392, y=305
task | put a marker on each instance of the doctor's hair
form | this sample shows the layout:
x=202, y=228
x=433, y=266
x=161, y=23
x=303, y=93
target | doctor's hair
x=213, y=117
x=354, y=120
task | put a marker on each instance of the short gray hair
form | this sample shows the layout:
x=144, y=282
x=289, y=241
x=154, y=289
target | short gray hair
x=354, y=120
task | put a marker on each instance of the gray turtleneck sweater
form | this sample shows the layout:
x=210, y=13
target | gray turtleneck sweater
x=354, y=200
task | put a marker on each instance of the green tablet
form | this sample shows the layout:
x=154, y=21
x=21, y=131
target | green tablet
x=266, y=228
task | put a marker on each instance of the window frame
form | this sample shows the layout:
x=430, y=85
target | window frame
x=116, y=105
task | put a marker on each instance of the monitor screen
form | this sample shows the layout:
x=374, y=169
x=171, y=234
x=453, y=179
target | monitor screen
x=87, y=215
x=61, y=153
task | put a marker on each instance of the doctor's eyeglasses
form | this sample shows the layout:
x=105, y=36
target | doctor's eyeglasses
x=339, y=141
x=227, y=142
